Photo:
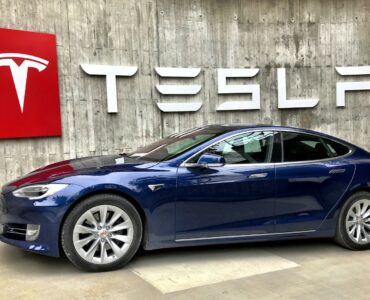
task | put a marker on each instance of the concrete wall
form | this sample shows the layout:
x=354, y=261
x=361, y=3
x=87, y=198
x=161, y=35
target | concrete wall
x=309, y=38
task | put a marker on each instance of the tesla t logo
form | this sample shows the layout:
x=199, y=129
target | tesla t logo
x=29, y=93
x=19, y=73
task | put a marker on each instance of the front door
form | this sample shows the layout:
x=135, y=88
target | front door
x=232, y=200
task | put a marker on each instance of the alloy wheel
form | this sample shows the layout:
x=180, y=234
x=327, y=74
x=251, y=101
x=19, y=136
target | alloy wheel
x=103, y=234
x=358, y=222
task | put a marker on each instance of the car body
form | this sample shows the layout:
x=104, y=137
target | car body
x=287, y=188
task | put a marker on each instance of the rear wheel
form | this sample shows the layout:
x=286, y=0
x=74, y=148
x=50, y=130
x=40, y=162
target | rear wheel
x=353, y=230
x=102, y=233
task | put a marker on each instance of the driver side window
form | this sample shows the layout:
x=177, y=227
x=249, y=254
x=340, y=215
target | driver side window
x=248, y=148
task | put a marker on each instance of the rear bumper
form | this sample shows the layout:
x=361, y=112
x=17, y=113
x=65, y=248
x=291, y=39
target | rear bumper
x=43, y=217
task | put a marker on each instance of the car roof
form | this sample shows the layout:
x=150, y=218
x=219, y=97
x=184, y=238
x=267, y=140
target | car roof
x=227, y=128
x=234, y=127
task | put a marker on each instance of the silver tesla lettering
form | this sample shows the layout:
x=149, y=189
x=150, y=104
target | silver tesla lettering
x=343, y=87
x=19, y=73
x=111, y=72
x=253, y=89
x=178, y=89
x=283, y=102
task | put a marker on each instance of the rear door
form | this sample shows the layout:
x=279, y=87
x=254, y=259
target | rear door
x=314, y=175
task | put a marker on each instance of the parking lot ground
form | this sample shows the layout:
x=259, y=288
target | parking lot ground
x=308, y=269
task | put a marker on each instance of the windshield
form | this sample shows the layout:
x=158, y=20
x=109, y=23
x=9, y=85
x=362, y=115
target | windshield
x=175, y=144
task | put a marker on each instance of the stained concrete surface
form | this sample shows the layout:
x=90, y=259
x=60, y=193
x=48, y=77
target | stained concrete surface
x=174, y=272
x=307, y=37
x=321, y=270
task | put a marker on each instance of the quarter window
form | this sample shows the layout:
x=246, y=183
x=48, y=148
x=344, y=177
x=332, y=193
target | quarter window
x=303, y=147
x=248, y=148
x=335, y=148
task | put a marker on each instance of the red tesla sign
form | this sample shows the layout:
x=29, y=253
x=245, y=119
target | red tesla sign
x=29, y=93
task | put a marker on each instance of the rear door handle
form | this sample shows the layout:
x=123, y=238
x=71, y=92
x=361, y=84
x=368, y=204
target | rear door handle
x=337, y=171
x=258, y=175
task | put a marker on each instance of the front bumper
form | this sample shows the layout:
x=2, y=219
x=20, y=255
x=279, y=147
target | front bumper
x=34, y=225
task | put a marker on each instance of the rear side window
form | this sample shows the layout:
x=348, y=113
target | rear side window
x=335, y=148
x=303, y=147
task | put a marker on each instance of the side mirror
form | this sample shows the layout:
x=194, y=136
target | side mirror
x=208, y=160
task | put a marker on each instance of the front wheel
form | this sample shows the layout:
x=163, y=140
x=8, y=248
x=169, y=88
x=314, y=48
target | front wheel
x=353, y=230
x=101, y=233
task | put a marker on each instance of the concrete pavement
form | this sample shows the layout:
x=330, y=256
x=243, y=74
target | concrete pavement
x=315, y=269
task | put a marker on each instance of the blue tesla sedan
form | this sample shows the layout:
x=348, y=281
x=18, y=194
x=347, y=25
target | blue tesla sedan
x=209, y=185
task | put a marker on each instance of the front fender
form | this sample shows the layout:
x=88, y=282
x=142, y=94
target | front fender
x=158, y=206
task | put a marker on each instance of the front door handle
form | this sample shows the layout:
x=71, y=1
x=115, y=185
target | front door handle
x=337, y=171
x=258, y=175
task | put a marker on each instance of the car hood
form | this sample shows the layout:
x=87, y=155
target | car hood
x=86, y=165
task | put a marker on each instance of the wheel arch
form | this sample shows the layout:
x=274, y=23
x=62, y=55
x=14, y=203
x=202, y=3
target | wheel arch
x=354, y=190
x=342, y=238
x=347, y=196
x=116, y=192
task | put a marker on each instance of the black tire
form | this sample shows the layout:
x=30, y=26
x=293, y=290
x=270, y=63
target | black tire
x=342, y=237
x=74, y=215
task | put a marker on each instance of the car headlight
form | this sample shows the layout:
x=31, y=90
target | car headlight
x=39, y=191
